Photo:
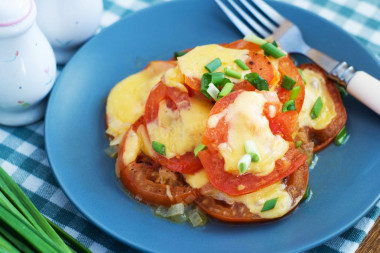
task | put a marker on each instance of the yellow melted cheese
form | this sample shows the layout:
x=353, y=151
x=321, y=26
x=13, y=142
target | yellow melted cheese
x=174, y=78
x=246, y=122
x=132, y=146
x=193, y=63
x=180, y=130
x=314, y=88
x=126, y=101
x=254, y=201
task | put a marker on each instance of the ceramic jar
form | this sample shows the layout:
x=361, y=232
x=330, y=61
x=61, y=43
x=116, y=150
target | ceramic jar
x=68, y=23
x=27, y=64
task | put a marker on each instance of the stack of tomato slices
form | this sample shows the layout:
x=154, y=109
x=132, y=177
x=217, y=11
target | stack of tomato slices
x=159, y=179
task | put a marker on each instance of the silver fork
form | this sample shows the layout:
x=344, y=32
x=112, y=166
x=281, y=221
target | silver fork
x=361, y=85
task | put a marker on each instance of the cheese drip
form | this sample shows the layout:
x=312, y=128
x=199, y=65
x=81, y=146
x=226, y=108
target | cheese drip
x=126, y=101
x=254, y=201
x=316, y=86
x=193, y=63
x=246, y=122
x=180, y=130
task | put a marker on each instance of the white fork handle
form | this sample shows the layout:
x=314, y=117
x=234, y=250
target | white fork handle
x=366, y=89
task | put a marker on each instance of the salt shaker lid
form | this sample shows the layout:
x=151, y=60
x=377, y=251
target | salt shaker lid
x=13, y=12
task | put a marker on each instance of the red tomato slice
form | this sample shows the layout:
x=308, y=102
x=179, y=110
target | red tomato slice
x=176, y=99
x=247, y=183
x=214, y=163
x=287, y=67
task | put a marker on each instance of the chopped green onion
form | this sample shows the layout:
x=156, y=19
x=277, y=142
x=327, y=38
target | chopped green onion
x=6, y=246
x=303, y=77
x=213, y=65
x=226, y=90
x=232, y=73
x=199, y=148
x=254, y=39
x=250, y=149
x=317, y=107
x=294, y=93
x=195, y=219
x=269, y=204
x=298, y=144
x=223, y=82
x=289, y=106
x=342, y=90
x=241, y=64
x=159, y=147
x=217, y=77
x=274, y=43
x=287, y=82
x=272, y=50
x=176, y=209
x=244, y=163
x=213, y=91
x=112, y=151
x=179, y=54
x=205, y=81
x=341, y=137
x=306, y=195
x=257, y=81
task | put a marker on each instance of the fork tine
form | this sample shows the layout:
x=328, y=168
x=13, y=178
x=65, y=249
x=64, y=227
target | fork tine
x=259, y=29
x=269, y=11
x=264, y=20
x=243, y=28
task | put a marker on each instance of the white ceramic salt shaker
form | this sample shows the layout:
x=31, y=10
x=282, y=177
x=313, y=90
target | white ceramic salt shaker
x=27, y=64
x=68, y=23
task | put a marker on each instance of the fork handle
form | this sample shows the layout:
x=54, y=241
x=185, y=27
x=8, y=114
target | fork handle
x=366, y=89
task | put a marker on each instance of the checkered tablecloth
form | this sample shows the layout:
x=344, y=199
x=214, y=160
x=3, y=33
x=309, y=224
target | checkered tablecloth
x=23, y=156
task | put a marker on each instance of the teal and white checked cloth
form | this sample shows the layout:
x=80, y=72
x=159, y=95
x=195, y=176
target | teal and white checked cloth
x=23, y=156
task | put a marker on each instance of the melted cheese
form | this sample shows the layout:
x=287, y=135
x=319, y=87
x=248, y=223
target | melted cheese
x=316, y=87
x=180, y=130
x=174, y=78
x=126, y=101
x=132, y=146
x=246, y=122
x=193, y=63
x=254, y=201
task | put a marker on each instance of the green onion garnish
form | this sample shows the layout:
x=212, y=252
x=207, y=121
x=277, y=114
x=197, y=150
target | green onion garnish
x=303, y=77
x=294, y=93
x=342, y=90
x=307, y=193
x=287, y=82
x=213, y=65
x=317, y=107
x=244, y=163
x=270, y=49
x=159, y=147
x=205, y=81
x=199, y=148
x=289, y=106
x=298, y=144
x=250, y=149
x=241, y=64
x=341, y=137
x=217, y=77
x=254, y=39
x=179, y=54
x=269, y=204
x=257, y=81
x=232, y=73
x=213, y=91
x=223, y=82
x=274, y=43
x=226, y=90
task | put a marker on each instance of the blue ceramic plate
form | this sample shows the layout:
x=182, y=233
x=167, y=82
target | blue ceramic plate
x=345, y=181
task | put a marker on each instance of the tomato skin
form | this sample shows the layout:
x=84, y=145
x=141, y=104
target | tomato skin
x=284, y=124
x=296, y=184
x=176, y=99
x=230, y=184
